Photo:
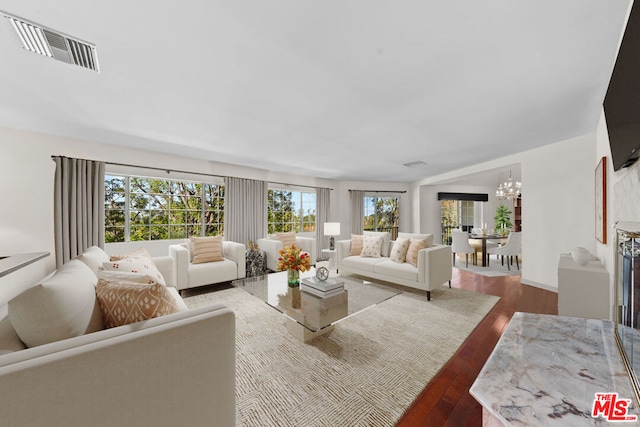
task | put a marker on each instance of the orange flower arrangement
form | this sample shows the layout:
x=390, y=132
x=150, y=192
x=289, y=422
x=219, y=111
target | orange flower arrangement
x=292, y=258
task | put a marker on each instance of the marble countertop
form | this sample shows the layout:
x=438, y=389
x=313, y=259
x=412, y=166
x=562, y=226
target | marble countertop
x=546, y=369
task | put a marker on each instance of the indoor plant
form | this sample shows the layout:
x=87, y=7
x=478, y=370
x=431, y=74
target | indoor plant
x=502, y=219
x=294, y=261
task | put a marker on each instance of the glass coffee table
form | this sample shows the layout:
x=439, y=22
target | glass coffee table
x=315, y=316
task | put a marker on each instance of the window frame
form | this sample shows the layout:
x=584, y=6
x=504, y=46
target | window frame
x=299, y=225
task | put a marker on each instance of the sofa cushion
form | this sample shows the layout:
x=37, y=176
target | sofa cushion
x=137, y=265
x=356, y=244
x=399, y=250
x=217, y=272
x=429, y=237
x=60, y=307
x=9, y=339
x=287, y=239
x=386, y=236
x=124, y=302
x=414, y=248
x=371, y=246
x=404, y=271
x=94, y=257
x=361, y=263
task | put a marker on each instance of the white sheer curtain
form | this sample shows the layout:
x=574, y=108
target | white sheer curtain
x=78, y=207
x=323, y=197
x=245, y=209
x=357, y=211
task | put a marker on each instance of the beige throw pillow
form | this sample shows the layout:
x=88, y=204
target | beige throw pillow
x=141, y=252
x=386, y=238
x=287, y=239
x=356, y=244
x=399, y=250
x=415, y=247
x=137, y=265
x=124, y=302
x=206, y=249
x=61, y=307
x=371, y=246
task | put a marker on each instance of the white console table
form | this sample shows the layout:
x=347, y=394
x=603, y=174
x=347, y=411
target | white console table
x=583, y=291
x=545, y=371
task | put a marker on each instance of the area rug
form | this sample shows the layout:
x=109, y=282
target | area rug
x=366, y=372
x=495, y=268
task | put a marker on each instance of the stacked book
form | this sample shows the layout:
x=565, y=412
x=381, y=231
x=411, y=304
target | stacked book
x=326, y=289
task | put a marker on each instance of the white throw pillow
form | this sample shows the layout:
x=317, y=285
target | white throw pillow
x=371, y=246
x=399, y=250
x=111, y=275
x=61, y=307
x=138, y=265
x=386, y=236
x=94, y=257
x=428, y=237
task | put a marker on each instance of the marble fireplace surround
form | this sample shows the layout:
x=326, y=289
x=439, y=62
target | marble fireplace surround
x=546, y=370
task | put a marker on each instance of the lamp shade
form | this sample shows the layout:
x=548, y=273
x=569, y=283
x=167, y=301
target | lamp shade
x=331, y=228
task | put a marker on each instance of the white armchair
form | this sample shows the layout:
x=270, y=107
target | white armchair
x=190, y=275
x=271, y=246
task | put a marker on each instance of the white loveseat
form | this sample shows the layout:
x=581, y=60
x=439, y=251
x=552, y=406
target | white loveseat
x=190, y=275
x=177, y=369
x=433, y=269
x=272, y=246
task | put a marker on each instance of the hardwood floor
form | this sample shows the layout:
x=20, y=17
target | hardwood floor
x=446, y=401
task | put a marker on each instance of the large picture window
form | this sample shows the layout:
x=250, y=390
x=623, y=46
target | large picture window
x=382, y=214
x=291, y=211
x=139, y=208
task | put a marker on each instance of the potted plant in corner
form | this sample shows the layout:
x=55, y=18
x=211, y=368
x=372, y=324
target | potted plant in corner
x=502, y=220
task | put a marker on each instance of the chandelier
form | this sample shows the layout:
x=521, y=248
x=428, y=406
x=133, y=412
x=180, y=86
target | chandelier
x=508, y=190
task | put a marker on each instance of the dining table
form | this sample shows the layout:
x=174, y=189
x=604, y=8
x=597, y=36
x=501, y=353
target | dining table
x=484, y=238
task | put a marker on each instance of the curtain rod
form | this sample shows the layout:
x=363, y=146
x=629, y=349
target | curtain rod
x=380, y=191
x=182, y=171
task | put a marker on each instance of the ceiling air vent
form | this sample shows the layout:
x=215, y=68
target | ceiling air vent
x=414, y=164
x=38, y=39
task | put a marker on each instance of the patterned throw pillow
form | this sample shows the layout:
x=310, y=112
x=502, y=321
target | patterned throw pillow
x=371, y=246
x=356, y=244
x=124, y=302
x=141, y=252
x=287, y=239
x=415, y=247
x=399, y=251
x=206, y=249
x=137, y=265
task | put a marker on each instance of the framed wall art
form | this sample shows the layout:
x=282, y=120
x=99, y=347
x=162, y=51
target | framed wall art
x=601, y=200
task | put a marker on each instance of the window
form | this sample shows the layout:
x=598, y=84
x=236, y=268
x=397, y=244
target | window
x=138, y=208
x=456, y=214
x=291, y=211
x=381, y=214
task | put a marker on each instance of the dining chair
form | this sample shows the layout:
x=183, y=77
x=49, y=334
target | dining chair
x=511, y=248
x=460, y=245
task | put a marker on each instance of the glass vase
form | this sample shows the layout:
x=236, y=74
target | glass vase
x=293, y=278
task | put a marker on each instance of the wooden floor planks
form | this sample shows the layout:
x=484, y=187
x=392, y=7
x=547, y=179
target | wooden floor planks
x=446, y=401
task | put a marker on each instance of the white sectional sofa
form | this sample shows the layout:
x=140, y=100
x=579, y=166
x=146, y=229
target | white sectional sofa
x=272, y=246
x=434, y=265
x=177, y=369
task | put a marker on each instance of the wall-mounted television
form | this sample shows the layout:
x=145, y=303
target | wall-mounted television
x=622, y=101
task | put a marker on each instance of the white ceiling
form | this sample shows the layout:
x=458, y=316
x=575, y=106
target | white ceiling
x=331, y=89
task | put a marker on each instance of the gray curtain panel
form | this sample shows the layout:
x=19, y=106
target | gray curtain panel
x=323, y=197
x=357, y=211
x=78, y=207
x=245, y=209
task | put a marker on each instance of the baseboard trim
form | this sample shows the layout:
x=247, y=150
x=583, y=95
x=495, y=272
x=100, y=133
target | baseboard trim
x=539, y=285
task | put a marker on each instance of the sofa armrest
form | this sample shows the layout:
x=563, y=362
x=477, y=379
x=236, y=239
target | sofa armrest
x=180, y=254
x=308, y=244
x=435, y=265
x=236, y=252
x=166, y=266
x=159, y=372
x=343, y=248
x=271, y=248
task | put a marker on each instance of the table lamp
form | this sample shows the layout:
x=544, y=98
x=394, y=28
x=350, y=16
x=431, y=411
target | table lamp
x=332, y=229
